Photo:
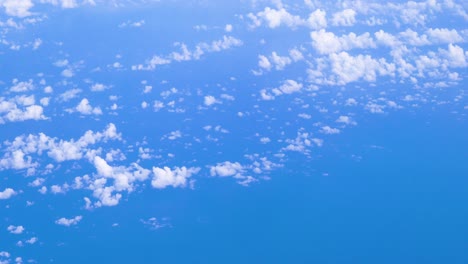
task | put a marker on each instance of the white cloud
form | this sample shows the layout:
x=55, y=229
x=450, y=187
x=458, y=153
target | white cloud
x=134, y=24
x=327, y=42
x=227, y=169
x=280, y=61
x=61, y=63
x=70, y=94
x=69, y=222
x=210, y=100
x=232, y=169
x=264, y=63
x=33, y=112
x=174, y=135
x=22, y=86
x=275, y=18
x=31, y=241
x=345, y=120
x=99, y=87
x=177, y=177
x=17, y=154
x=7, y=194
x=15, y=229
x=329, y=130
x=68, y=73
x=346, y=18
x=347, y=68
x=444, y=35
x=153, y=223
x=86, y=109
x=317, y=19
x=296, y=55
x=185, y=54
x=455, y=56
x=18, y=8
x=302, y=143
x=289, y=87
x=102, y=167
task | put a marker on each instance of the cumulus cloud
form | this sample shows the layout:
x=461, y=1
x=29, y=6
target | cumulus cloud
x=277, y=17
x=345, y=120
x=7, y=194
x=317, y=19
x=346, y=18
x=302, y=143
x=226, y=169
x=69, y=222
x=86, y=109
x=186, y=54
x=329, y=130
x=210, y=100
x=20, y=108
x=22, y=86
x=327, y=42
x=177, y=177
x=98, y=87
x=17, y=8
x=232, y=169
x=15, y=229
x=18, y=152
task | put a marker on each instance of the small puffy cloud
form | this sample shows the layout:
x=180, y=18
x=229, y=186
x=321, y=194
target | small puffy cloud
x=68, y=73
x=70, y=94
x=280, y=61
x=98, y=87
x=18, y=157
x=30, y=241
x=69, y=222
x=296, y=55
x=33, y=112
x=347, y=68
x=134, y=24
x=86, y=109
x=61, y=63
x=264, y=63
x=153, y=223
x=444, y=35
x=277, y=17
x=346, y=18
x=345, y=120
x=22, y=86
x=210, y=100
x=302, y=143
x=329, y=130
x=228, y=28
x=455, y=56
x=232, y=169
x=317, y=19
x=327, y=42
x=226, y=169
x=15, y=229
x=18, y=8
x=102, y=167
x=186, y=54
x=290, y=86
x=177, y=177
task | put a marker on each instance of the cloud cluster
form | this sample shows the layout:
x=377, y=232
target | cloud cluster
x=227, y=42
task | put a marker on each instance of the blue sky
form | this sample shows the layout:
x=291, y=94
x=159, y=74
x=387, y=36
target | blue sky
x=251, y=131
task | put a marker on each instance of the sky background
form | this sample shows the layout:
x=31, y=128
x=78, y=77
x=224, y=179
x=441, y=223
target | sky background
x=249, y=131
